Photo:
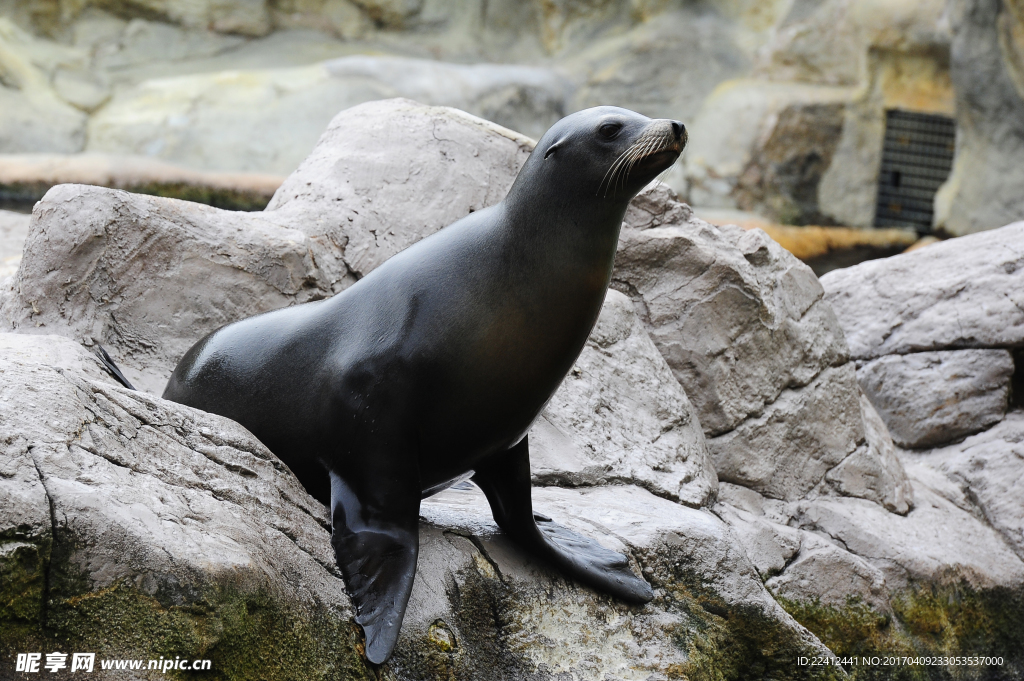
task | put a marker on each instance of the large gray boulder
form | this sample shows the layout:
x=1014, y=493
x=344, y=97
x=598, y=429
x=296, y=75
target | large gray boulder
x=620, y=416
x=744, y=326
x=986, y=471
x=363, y=200
x=933, y=331
x=928, y=398
x=961, y=293
x=103, y=265
x=145, y=511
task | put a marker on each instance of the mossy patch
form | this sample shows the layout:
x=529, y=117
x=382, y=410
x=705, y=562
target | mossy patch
x=726, y=642
x=23, y=195
x=247, y=633
x=933, y=620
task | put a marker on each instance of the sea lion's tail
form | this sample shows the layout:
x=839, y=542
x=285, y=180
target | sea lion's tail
x=112, y=368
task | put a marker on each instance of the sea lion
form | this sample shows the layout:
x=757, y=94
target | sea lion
x=433, y=367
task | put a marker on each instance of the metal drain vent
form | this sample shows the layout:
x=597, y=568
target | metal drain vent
x=917, y=155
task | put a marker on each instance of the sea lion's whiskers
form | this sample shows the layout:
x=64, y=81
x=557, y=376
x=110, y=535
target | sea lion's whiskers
x=610, y=171
x=615, y=170
x=640, y=153
x=627, y=160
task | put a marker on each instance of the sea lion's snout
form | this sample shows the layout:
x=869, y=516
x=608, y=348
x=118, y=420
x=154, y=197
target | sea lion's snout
x=653, y=151
x=670, y=134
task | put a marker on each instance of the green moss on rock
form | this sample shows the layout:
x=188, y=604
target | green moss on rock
x=930, y=620
x=23, y=195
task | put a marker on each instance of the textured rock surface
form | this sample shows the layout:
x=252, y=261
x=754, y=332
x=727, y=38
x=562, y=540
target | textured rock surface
x=269, y=120
x=738, y=319
x=620, y=415
x=745, y=329
x=828, y=573
x=987, y=67
x=936, y=540
x=874, y=471
x=796, y=564
x=122, y=494
x=13, y=232
x=106, y=266
x=928, y=398
x=363, y=200
x=785, y=452
x=923, y=301
x=988, y=469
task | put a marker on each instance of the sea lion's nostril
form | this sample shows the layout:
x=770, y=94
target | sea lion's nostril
x=678, y=129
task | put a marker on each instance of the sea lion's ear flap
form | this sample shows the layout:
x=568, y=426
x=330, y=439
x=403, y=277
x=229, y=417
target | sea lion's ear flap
x=554, y=147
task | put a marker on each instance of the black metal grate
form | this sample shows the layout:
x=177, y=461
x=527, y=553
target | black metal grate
x=917, y=155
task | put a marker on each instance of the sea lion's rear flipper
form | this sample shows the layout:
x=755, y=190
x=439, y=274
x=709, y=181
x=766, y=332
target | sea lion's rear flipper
x=376, y=541
x=505, y=479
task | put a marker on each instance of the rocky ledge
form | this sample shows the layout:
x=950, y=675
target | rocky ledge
x=718, y=429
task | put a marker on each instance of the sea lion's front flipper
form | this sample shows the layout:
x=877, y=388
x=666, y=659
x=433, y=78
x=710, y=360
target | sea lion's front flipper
x=505, y=479
x=376, y=541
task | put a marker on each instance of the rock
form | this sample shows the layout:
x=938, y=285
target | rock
x=935, y=542
x=738, y=319
x=825, y=573
x=25, y=178
x=780, y=453
x=144, y=509
x=269, y=120
x=744, y=328
x=764, y=146
x=874, y=470
x=13, y=231
x=365, y=200
x=33, y=118
x=620, y=416
x=769, y=545
x=149, y=511
x=928, y=398
x=961, y=293
x=103, y=265
x=988, y=470
x=987, y=68
x=797, y=565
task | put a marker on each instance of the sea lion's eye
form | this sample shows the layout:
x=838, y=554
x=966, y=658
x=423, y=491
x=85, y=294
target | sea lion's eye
x=610, y=130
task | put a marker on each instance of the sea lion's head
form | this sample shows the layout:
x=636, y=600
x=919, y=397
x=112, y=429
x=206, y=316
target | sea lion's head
x=607, y=152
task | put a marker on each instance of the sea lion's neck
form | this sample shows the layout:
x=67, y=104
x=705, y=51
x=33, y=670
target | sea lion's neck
x=566, y=230
x=569, y=247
